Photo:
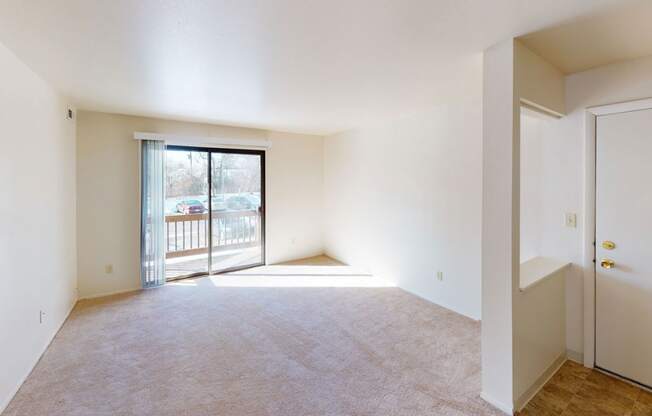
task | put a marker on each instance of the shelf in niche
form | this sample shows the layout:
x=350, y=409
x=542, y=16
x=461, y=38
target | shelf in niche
x=537, y=269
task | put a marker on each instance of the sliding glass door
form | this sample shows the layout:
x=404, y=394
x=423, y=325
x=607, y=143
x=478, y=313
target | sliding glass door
x=226, y=186
x=237, y=210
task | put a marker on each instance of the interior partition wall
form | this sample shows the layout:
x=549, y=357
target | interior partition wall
x=214, y=210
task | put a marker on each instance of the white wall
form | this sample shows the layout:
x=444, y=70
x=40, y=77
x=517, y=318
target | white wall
x=37, y=219
x=564, y=188
x=531, y=184
x=295, y=204
x=539, y=82
x=540, y=335
x=540, y=311
x=500, y=223
x=512, y=75
x=107, y=204
x=403, y=197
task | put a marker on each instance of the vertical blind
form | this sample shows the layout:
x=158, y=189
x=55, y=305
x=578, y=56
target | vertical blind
x=152, y=244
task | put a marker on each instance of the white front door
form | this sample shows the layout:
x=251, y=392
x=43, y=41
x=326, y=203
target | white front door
x=624, y=218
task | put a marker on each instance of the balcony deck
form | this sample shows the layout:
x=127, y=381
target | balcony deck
x=176, y=267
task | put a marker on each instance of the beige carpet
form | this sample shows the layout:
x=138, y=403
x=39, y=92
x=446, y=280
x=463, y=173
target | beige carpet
x=284, y=341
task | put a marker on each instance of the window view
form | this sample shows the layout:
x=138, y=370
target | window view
x=235, y=235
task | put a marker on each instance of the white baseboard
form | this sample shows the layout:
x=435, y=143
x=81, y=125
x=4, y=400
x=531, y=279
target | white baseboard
x=10, y=397
x=439, y=303
x=525, y=398
x=507, y=409
x=578, y=357
x=116, y=292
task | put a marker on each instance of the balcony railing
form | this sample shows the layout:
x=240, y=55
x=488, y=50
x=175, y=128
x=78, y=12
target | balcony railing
x=188, y=234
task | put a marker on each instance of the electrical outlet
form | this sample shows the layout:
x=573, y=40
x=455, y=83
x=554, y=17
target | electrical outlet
x=108, y=269
x=440, y=276
x=41, y=317
x=571, y=220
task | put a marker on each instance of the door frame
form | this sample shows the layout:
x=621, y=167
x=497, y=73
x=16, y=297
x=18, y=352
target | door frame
x=588, y=255
x=263, y=204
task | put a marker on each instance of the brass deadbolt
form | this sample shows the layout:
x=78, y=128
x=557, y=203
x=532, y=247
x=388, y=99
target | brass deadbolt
x=608, y=245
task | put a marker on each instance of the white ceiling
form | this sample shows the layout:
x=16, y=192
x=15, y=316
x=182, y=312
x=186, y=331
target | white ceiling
x=295, y=65
x=601, y=38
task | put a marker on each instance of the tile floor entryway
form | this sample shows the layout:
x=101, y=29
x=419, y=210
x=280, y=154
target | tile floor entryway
x=577, y=391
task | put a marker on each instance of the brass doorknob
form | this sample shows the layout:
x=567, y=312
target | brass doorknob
x=607, y=263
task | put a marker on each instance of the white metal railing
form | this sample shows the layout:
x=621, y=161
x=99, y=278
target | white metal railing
x=188, y=234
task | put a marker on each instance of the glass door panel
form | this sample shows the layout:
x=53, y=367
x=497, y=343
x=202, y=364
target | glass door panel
x=186, y=212
x=237, y=201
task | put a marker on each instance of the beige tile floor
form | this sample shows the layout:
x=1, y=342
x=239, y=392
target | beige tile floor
x=577, y=390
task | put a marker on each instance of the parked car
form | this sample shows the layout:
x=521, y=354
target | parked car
x=217, y=201
x=238, y=203
x=254, y=198
x=190, y=206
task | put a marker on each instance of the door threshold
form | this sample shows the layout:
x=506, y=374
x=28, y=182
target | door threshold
x=204, y=274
